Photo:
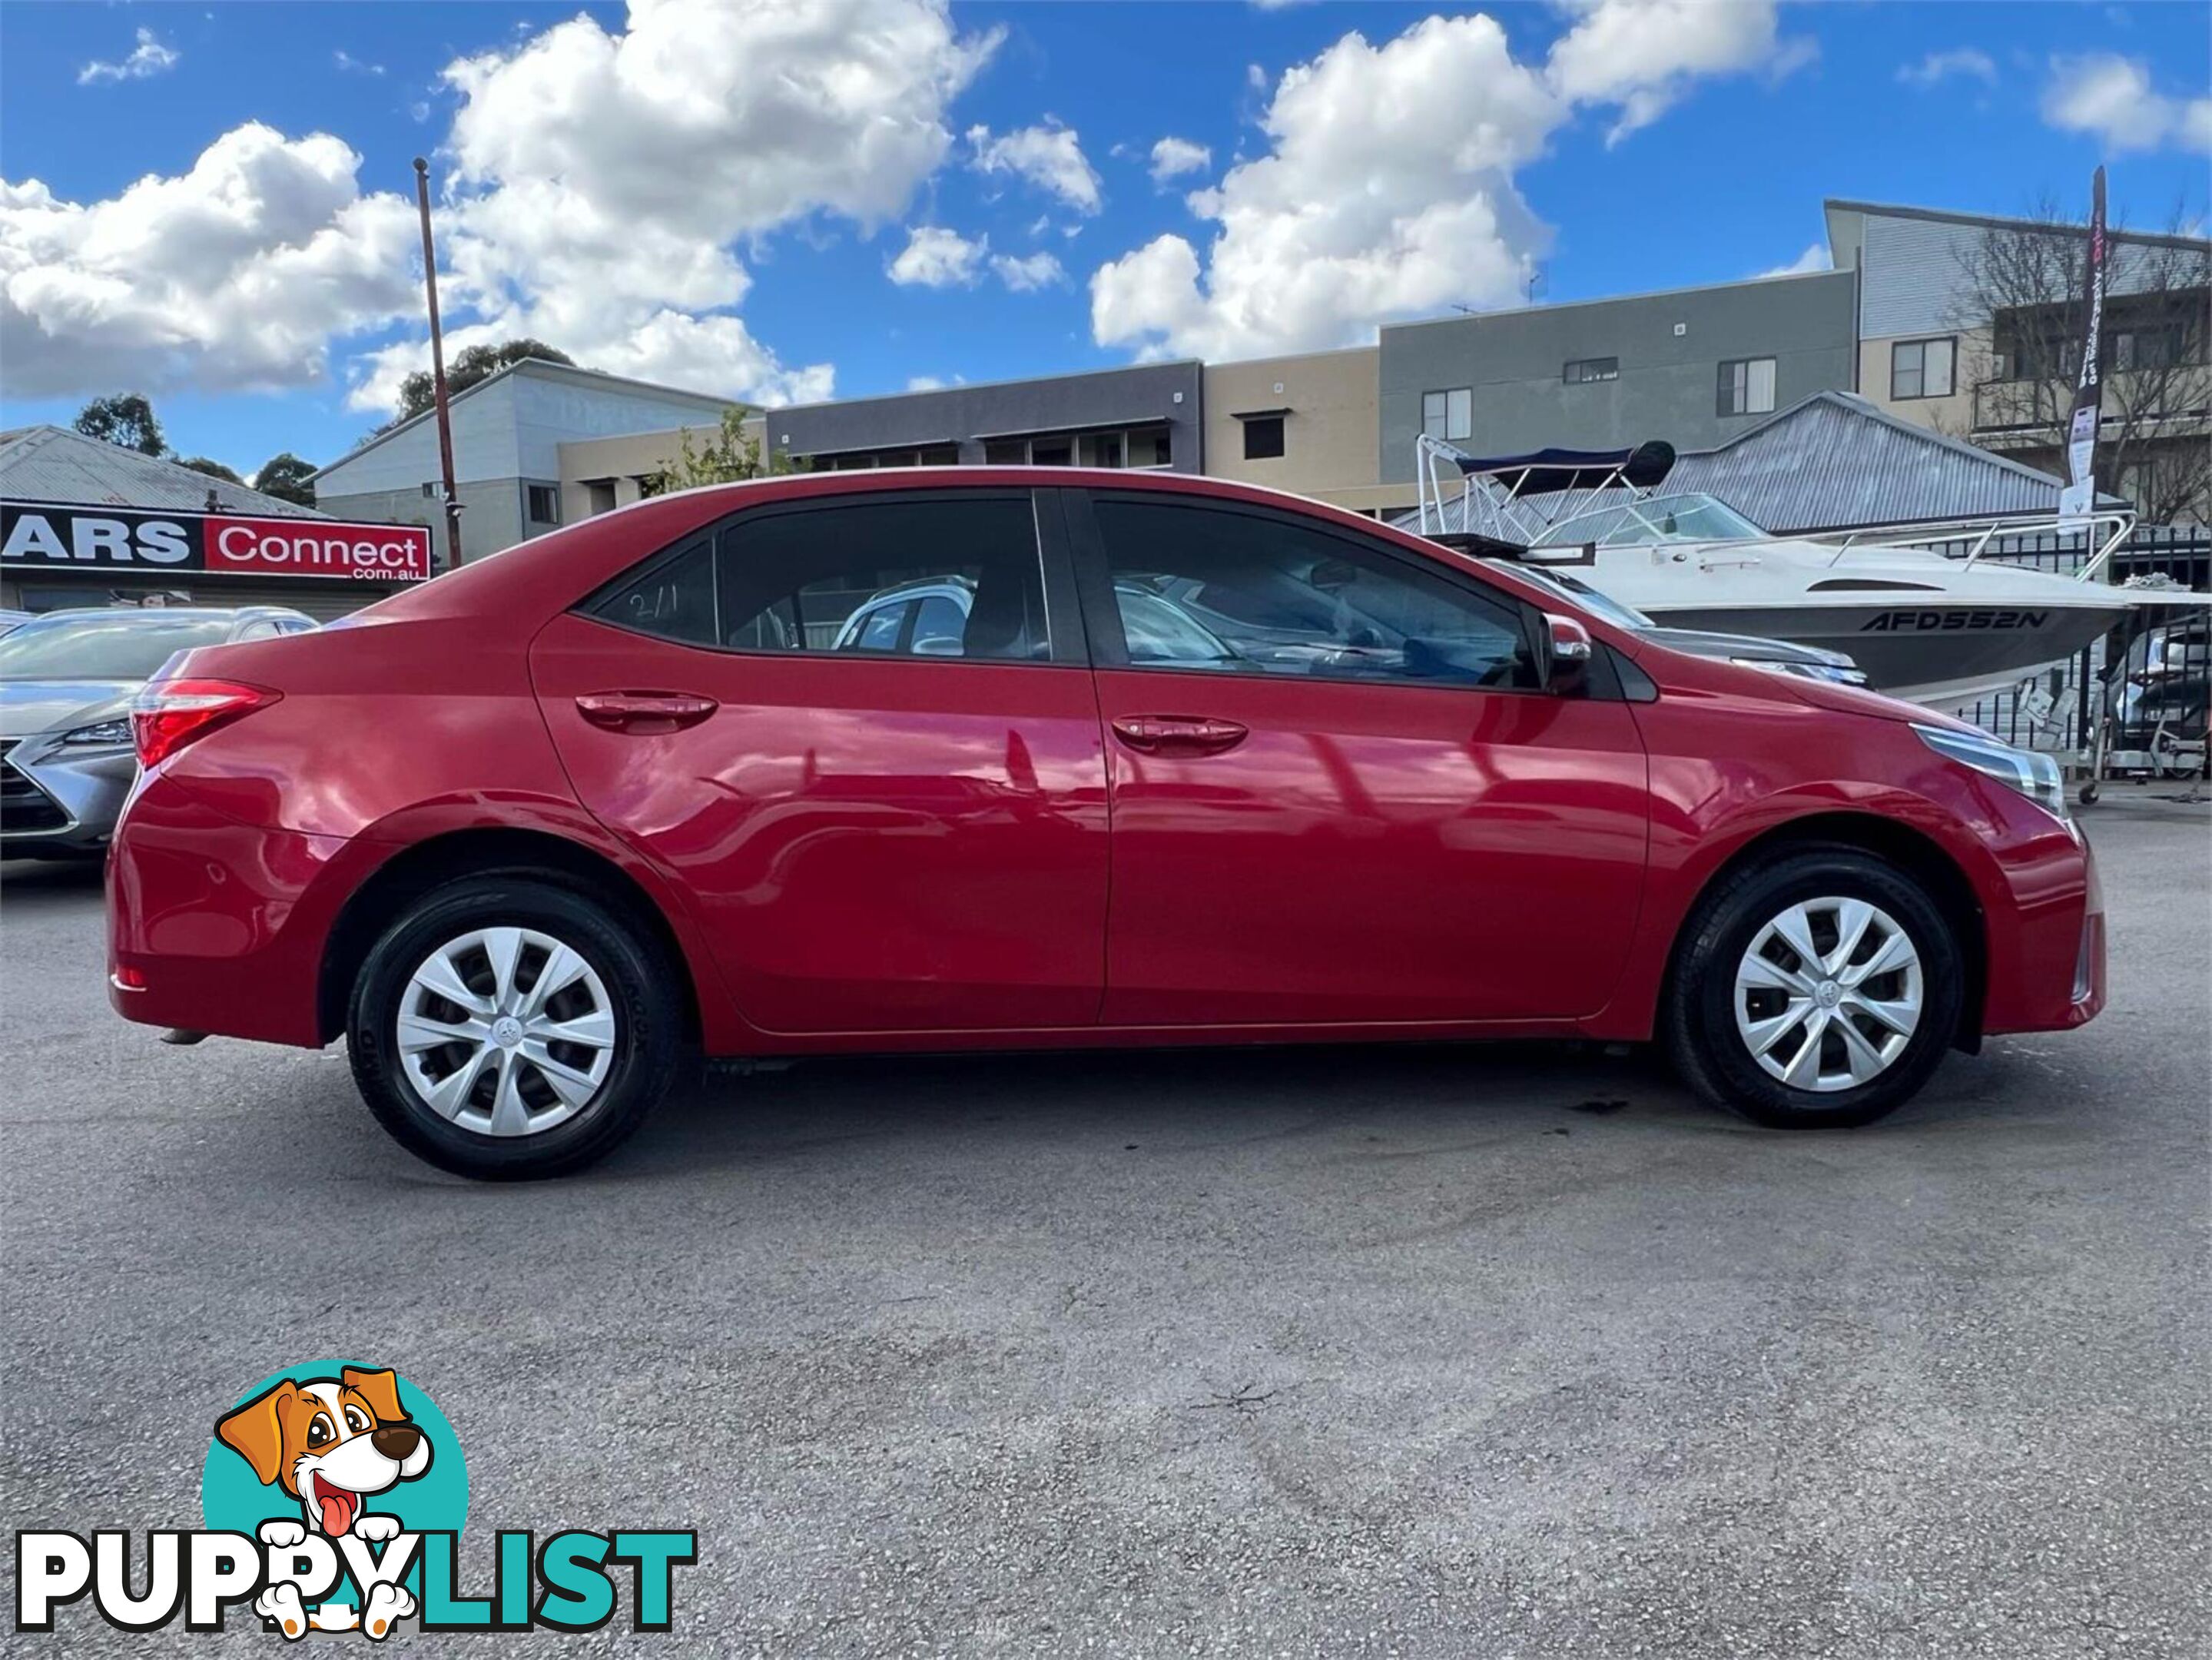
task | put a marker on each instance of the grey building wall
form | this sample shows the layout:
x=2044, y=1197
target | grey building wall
x=492, y=516
x=1669, y=346
x=966, y=415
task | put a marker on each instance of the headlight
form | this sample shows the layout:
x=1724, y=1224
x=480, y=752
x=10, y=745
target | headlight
x=101, y=735
x=2033, y=774
x=1838, y=672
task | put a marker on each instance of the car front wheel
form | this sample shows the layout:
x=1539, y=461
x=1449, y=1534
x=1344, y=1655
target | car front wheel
x=1819, y=988
x=506, y=1029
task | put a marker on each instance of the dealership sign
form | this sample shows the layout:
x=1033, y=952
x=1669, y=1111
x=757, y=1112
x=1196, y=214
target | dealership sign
x=38, y=538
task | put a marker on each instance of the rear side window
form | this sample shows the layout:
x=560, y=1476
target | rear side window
x=1200, y=588
x=958, y=577
x=674, y=599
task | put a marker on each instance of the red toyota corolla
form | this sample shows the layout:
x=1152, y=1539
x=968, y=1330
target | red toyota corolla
x=995, y=758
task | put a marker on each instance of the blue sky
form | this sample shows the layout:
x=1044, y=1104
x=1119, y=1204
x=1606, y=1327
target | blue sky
x=212, y=204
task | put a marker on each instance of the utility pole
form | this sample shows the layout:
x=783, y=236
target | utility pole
x=438, y=370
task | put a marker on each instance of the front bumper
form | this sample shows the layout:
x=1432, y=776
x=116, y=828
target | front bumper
x=2047, y=969
x=57, y=801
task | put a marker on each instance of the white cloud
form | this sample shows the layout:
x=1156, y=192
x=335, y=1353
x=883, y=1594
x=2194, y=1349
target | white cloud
x=1049, y=156
x=1644, y=56
x=235, y=274
x=935, y=258
x=149, y=58
x=934, y=382
x=1387, y=192
x=606, y=180
x=1939, y=66
x=2110, y=98
x=1815, y=258
x=1026, y=275
x=346, y=60
x=1173, y=156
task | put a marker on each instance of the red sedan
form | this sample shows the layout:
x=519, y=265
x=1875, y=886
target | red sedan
x=998, y=758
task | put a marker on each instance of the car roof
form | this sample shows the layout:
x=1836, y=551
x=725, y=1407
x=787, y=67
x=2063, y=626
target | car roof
x=549, y=574
x=107, y=613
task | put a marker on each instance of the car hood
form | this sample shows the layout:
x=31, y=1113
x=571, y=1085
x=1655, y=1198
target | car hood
x=1857, y=700
x=1700, y=642
x=35, y=706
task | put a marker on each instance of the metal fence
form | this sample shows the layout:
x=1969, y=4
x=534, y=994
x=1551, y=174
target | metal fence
x=2058, y=711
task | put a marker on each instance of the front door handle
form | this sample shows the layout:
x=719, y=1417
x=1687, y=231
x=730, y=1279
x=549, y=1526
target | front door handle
x=644, y=714
x=1179, y=734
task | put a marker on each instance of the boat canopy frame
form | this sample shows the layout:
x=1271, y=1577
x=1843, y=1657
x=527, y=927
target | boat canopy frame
x=1495, y=506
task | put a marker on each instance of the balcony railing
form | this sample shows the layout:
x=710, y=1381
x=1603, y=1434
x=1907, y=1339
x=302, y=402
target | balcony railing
x=2035, y=411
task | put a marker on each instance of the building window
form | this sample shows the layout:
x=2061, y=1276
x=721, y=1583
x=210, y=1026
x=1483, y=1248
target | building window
x=1448, y=415
x=1923, y=368
x=1006, y=453
x=544, y=504
x=599, y=494
x=1263, y=437
x=1584, y=370
x=1102, y=449
x=1747, y=387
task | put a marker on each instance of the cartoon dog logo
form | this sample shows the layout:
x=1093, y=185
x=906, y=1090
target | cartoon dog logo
x=332, y=1443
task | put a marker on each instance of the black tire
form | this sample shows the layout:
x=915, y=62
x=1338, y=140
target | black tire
x=641, y=985
x=1699, y=1023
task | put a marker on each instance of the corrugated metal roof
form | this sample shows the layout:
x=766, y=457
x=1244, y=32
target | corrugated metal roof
x=52, y=463
x=1837, y=462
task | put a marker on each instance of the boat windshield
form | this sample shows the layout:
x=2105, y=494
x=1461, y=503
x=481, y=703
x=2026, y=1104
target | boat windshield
x=1690, y=516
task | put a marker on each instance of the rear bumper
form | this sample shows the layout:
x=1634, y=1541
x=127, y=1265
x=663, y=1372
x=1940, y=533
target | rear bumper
x=214, y=926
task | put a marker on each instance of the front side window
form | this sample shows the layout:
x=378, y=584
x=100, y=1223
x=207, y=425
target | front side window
x=819, y=579
x=1921, y=368
x=1747, y=387
x=1203, y=589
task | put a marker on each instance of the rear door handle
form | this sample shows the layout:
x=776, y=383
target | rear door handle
x=1179, y=734
x=644, y=713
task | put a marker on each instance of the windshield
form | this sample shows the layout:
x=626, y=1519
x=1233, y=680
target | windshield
x=1621, y=616
x=128, y=646
x=1685, y=518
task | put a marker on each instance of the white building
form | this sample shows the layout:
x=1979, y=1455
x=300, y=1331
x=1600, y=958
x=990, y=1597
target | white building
x=507, y=432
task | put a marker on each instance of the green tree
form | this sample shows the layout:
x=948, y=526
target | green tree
x=213, y=468
x=730, y=455
x=418, y=391
x=286, y=477
x=126, y=419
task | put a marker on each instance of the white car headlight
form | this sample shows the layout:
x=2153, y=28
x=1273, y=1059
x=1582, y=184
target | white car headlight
x=101, y=735
x=2033, y=774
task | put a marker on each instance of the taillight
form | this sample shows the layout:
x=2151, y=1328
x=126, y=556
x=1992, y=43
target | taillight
x=167, y=714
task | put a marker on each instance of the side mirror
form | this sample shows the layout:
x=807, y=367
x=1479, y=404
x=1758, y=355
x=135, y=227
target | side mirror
x=1563, y=649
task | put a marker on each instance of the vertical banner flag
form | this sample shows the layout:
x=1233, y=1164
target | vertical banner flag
x=2079, y=495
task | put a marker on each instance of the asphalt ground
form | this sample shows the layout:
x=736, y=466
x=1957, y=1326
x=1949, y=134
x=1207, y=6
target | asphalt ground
x=1512, y=1352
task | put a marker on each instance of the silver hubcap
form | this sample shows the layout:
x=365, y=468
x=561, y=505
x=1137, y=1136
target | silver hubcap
x=506, y=1032
x=1829, y=994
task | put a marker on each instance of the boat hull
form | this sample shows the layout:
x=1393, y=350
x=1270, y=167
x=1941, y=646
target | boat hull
x=1946, y=653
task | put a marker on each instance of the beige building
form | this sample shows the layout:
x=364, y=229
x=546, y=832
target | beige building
x=1935, y=349
x=1307, y=424
x=598, y=475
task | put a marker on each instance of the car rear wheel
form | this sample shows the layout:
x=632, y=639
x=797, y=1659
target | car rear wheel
x=1819, y=988
x=506, y=1029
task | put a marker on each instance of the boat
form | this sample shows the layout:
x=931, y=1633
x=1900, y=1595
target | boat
x=1933, y=613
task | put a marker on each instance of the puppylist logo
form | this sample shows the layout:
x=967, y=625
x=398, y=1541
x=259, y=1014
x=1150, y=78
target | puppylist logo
x=334, y=1495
